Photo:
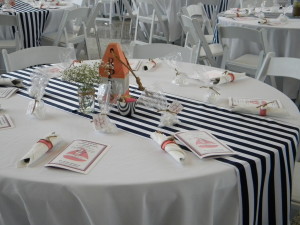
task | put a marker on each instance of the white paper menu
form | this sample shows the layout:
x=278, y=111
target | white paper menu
x=203, y=144
x=80, y=156
x=5, y=122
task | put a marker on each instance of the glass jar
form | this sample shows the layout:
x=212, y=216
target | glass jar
x=86, y=98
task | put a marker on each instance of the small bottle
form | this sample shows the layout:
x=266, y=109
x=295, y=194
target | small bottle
x=296, y=8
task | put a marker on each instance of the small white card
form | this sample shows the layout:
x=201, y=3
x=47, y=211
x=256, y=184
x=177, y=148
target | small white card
x=203, y=144
x=5, y=122
x=80, y=156
x=100, y=121
x=6, y=92
x=175, y=107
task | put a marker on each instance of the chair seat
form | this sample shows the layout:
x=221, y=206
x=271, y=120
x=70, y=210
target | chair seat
x=8, y=44
x=209, y=38
x=216, y=50
x=296, y=184
x=126, y=15
x=73, y=38
x=148, y=19
x=246, y=63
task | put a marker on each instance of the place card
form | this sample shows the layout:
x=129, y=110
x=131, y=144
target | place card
x=203, y=144
x=175, y=107
x=6, y=92
x=80, y=156
x=100, y=121
x=5, y=122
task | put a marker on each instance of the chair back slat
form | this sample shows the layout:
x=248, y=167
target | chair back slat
x=160, y=50
x=19, y=59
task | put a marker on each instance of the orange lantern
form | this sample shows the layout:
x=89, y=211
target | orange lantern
x=114, y=71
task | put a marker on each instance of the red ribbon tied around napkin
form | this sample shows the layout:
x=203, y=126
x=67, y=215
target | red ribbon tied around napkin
x=47, y=143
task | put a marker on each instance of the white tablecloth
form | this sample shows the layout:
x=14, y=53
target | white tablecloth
x=135, y=182
x=55, y=17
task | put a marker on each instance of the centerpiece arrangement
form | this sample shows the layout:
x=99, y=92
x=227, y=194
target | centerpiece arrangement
x=85, y=76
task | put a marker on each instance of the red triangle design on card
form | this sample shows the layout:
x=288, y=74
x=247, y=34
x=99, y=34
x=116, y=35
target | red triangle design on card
x=77, y=155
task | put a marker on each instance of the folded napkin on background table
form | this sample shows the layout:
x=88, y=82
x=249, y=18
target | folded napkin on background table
x=169, y=146
x=11, y=10
x=11, y=82
x=236, y=13
x=38, y=150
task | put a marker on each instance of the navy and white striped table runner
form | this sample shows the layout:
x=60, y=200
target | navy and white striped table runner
x=266, y=148
x=32, y=21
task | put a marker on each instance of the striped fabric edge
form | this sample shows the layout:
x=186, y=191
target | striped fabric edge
x=265, y=156
x=32, y=21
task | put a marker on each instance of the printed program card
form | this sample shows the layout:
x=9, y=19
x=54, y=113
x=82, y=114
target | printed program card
x=203, y=144
x=80, y=156
x=5, y=122
x=6, y=92
x=243, y=102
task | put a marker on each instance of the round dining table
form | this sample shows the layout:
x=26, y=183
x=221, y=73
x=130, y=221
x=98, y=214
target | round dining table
x=136, y=182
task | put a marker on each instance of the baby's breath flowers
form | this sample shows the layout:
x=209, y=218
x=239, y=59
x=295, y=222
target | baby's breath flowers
x=84, y=75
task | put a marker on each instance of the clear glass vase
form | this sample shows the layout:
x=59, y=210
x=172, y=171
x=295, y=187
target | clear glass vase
x=86, y=99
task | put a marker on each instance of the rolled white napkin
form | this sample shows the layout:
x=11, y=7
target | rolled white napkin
x=169, y=146
x=227, y=77
x=38, y=150
x=235, y=12
x=258, y=107
x=11, y=82
x=261, y=111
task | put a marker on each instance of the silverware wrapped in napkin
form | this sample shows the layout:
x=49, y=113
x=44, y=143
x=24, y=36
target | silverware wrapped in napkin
x=11, y=82
x=258, y=107
x=168, y=144
x=219, y=77
x=38, y=150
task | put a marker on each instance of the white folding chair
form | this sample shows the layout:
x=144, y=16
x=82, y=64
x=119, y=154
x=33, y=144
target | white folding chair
x=280, y=67
x=247, y=62
x=8, y=23
x=67, y=32
x=112, y=4
x=27, y=57
x=130, y=13
x=296, y=186
x=197, y=11
x=157, y=17
x=157, y=50
x=208, y=53
x=213, y=7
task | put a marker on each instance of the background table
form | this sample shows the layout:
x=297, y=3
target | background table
x=172, y=7
x=33, y=23
x=135, y=182
x=282, y=40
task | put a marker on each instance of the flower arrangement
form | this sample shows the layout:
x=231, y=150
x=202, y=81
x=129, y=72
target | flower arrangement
x=83, y=75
